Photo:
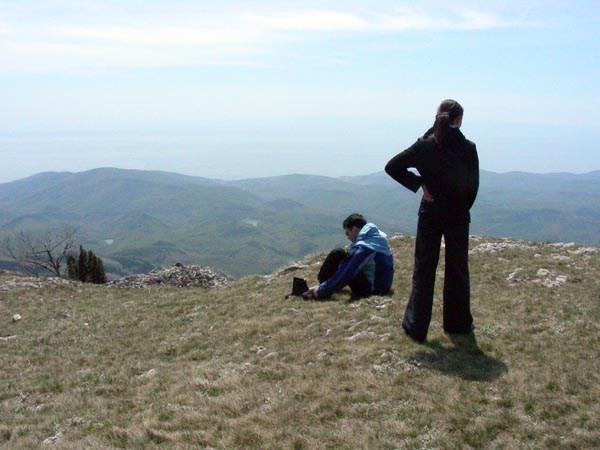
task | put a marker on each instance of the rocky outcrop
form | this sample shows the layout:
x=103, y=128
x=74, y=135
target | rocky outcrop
x=14, y=280
x=177, y=275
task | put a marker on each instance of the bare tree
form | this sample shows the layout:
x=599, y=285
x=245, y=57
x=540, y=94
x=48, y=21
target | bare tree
x=38, y=252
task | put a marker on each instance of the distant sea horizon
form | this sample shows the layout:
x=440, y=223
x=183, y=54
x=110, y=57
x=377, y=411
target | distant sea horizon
x=232, y=155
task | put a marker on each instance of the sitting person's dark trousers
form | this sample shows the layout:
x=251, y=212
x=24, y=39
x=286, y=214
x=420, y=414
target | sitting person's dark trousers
x=367, y=267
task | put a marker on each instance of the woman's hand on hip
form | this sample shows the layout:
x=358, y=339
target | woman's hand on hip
x=427, y=195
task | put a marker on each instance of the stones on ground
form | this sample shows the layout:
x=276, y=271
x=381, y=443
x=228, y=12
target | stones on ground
x=501, y=246
x=20, y=281
x=16, y=317
x=361, y=335
x=148, y=374
x=558, y=281
x=543, y=272
x=513, y=276
x=52, y=439
x=177, y=275
x=375, y=318
x=584, y=250
x=549, y=278
x=543, y=276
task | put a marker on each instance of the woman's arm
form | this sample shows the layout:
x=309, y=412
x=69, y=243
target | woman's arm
x=474, y=176
x=397, y=168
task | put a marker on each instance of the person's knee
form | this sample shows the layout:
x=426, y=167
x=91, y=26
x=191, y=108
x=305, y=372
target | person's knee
x=331, y=263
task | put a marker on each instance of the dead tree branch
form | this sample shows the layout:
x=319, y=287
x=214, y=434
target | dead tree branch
x=39, y=252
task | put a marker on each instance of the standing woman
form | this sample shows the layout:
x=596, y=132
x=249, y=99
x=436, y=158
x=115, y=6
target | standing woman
x=448, y=169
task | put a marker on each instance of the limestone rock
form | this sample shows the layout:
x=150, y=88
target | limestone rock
x=177, y=275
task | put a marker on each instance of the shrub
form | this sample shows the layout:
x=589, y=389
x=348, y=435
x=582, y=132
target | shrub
x=87, y=267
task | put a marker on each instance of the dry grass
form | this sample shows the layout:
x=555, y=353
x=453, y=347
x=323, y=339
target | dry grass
x=104, y=368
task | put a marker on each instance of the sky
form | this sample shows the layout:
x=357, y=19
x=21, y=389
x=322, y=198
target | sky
x=240, y=89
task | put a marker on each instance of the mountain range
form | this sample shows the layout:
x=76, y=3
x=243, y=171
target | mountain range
x=138, y=220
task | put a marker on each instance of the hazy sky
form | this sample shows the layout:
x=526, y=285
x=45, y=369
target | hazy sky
x=234, y=89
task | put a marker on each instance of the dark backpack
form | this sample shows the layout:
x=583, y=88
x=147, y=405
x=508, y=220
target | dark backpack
x=299, y=286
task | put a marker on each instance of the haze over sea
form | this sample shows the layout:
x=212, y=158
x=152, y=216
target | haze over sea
x=244, y=89
x=329, y=148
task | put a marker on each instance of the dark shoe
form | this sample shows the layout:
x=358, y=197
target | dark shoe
x=413, y=337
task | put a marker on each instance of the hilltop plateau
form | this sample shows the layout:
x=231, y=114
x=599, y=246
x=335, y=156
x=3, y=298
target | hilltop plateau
x=240, y=367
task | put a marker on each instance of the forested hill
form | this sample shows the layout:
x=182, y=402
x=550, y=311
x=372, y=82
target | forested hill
x=138, y=220
x=540, y=207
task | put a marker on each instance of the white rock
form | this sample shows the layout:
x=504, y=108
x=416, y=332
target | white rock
x=561, y=279
x=375, y=318
x=361, y=335
x=496, y=247
x=543, y=273
x=583, y=250
x=16, y=317
x=52, y=439
x=511, y=276
x=148, y=374
x=564, y=245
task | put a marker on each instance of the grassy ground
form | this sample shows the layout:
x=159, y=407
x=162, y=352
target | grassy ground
x=91, y=367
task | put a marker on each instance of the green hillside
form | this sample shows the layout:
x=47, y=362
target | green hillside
x=241, y=368
x=137, y=220
x=542, y=207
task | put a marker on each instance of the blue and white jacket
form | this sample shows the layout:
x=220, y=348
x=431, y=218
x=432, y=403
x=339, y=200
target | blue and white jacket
x=370, y=254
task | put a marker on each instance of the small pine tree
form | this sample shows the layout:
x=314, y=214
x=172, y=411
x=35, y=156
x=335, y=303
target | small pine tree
x=82, y=269
x=72, y=268
x=87, y=268
x=91, y=266
x=99, y=275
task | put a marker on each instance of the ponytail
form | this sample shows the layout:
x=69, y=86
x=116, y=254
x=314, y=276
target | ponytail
x=448, y=112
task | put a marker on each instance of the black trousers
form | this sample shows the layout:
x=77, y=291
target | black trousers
x=457, y=297
x=359, y=284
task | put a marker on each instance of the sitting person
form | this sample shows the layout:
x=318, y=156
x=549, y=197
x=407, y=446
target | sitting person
x=367, y=267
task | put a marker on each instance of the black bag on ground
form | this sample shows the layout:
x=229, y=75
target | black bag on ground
x=299, y=285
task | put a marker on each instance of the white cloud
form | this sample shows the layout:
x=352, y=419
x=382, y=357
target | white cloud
x=163, y=36
x=105, y=37
x=315, y=20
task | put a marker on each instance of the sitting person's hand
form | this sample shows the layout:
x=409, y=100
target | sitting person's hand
x=311, y=294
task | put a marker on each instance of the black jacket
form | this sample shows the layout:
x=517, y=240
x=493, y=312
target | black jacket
x=451, y=174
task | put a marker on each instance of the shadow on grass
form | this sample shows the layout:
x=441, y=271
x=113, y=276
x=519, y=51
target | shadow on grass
x=463, y=359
